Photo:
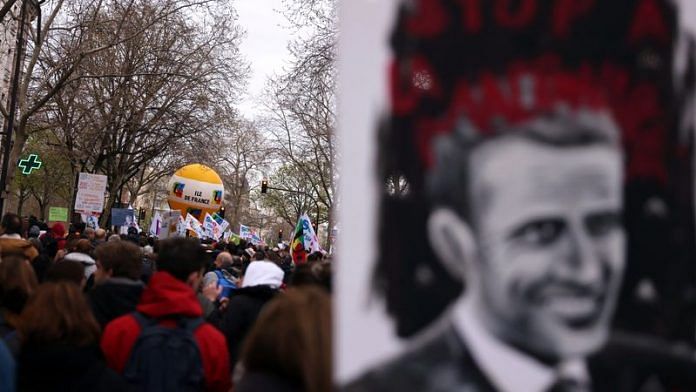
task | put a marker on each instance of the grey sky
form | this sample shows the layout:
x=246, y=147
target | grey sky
x=264, y=47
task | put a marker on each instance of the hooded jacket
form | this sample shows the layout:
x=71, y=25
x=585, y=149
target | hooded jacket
x=168, y=297
x=58, y=233
x=260, y=285
x=86, y=260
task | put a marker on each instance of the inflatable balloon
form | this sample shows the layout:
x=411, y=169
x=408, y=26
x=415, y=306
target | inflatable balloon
x=195, y=189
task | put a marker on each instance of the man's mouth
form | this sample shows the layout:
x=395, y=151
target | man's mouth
x=576, y=310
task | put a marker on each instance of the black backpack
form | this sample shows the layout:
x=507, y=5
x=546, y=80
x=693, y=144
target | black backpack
x=164, y=358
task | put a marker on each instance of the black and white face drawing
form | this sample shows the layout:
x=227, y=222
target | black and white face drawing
x=533, y=198
x=545, y=245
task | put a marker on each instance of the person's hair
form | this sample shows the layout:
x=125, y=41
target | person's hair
x=273, y=256
x=66, y=271
x=292, y=340
x=12, y=223
x=259, y=255
x=312, y=273
x=114, y=237
x=17, y=283
x=88, y=231
x=122, y=257
x=99, y=234
x=315, y=256
x=83, y=246
x=181, y=257
x=78, y=227
x=58, y=313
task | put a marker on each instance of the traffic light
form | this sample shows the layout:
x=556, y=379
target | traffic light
x=264, y=186
x=280, y=235
x=141, y=215
x=222, y=212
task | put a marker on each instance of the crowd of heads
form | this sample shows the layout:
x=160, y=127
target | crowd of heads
x=65, y=287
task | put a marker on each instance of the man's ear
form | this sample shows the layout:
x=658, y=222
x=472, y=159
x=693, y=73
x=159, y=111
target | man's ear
x=452, y=241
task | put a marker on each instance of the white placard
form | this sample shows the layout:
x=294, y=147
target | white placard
x=90, y=193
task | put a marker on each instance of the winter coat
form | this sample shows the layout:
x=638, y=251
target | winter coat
x=167, y=298
x=17, y=246
x=242, y=311
x=114, y=298
x=61, y=367
x=54, y=239
x=84, y=259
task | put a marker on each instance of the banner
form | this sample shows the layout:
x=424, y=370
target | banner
x=90, y=193
x=181, y=226
x=245, y=232
x=304, y=241
x=231, y=237
x=211, y=227
x=169, y=224
x=257, y=240
x=57, y=214
x=156, y=224
x=122, y=217
x=221, y=222
x=91, y=220
x=195, y=226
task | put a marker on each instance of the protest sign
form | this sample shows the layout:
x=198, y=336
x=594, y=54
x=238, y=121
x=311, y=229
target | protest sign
x=57, y=214
x=156, y=224
x=122, y=217
x=90, y=193
x=245, y=232
x=169, y=226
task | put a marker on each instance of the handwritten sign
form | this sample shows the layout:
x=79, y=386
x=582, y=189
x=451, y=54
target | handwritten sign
x=90, y=193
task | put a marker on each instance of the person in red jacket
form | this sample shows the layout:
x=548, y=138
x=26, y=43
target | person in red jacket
x=171, y=296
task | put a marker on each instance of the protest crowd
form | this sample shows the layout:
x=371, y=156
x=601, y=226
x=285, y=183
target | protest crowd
x=84, y=309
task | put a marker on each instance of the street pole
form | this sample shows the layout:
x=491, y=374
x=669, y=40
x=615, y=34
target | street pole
x=9, y=131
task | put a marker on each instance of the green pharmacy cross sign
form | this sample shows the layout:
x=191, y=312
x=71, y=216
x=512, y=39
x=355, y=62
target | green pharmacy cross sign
x=29, y=164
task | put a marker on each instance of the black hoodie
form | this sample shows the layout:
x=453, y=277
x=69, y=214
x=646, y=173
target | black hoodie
x=241, y=313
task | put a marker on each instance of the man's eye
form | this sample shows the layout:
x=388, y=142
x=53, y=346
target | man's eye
x=541, y=232
x=603, y=223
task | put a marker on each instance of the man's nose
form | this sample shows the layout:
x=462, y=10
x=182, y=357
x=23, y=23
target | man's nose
x=583, y=262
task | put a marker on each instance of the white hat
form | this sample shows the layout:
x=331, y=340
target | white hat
x=263, y=273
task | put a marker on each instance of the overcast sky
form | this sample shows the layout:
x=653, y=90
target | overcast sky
x=264, y=47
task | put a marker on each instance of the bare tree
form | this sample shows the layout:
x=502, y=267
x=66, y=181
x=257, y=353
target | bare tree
x=243, y=155
x=293, y=196
x=131, y=109
x=77, y=40
x=6, y=8
x=303, y=102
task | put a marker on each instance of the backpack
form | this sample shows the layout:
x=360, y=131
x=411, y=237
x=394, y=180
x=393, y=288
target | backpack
x=165, y=358
x=226, y=284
